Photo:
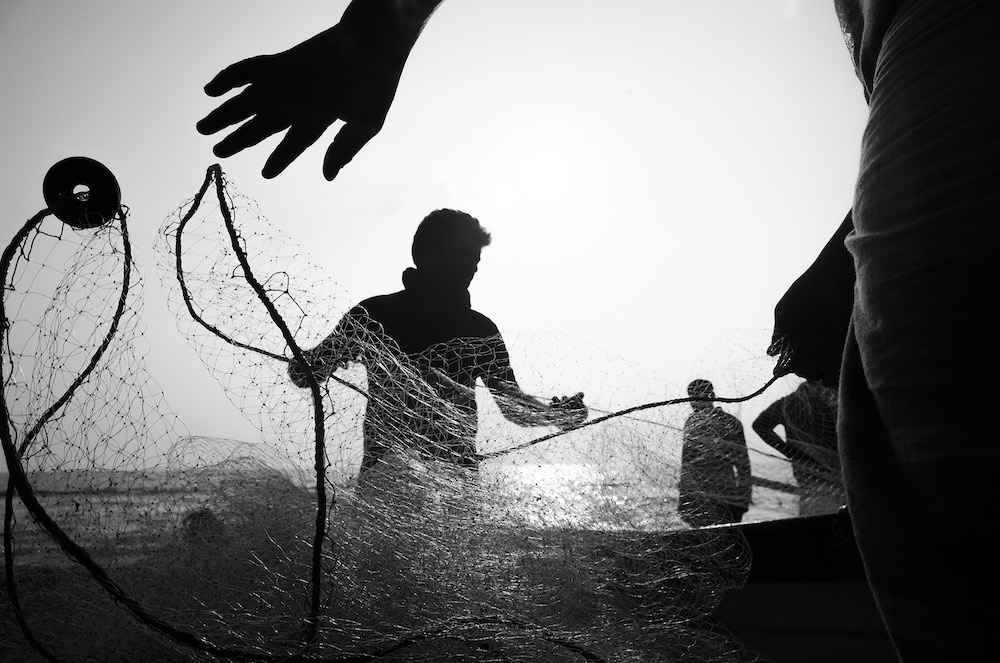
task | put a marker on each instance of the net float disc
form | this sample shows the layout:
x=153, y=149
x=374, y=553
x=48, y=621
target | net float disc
x=81, y=192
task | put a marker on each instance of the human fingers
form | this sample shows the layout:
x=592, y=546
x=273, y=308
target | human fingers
x=781, y=347
x=348, y=142
x=233, y=111
x=235, y=75
x=810, y=358
x=248, y=135
x=295, y=142
x=776, y=348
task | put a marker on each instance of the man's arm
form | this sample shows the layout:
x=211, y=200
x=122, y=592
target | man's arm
x=764, y=426
x=516, y=405
x=345, y=344
x=526, y=410
x=348, y=72
x=741, y=461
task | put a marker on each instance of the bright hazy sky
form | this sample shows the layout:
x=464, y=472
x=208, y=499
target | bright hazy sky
x=654, y=172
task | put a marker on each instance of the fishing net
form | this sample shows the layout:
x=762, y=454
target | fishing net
x=387, y=512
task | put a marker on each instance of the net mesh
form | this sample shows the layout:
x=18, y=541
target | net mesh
x=387, y=512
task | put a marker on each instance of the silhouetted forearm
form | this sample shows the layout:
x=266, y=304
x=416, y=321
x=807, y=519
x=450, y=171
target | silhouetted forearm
x=764, y=426
x=333, y=352
x=526, y=410
x=387, y=24
x=744, y=478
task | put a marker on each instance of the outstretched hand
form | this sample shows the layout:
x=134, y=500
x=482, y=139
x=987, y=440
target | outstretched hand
x=349, y=72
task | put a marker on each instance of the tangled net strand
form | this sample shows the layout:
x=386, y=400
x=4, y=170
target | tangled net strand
x=128, y=538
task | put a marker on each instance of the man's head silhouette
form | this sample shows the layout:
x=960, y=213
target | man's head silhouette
x=447, y=246
x=701, y=389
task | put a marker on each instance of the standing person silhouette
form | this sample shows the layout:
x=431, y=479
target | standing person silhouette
x=809, y=417
x=430, y=332
x=715, y=485
x=918, y=462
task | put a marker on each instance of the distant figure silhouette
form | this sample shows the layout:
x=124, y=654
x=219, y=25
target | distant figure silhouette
x=715, y=485
x=431, y=327
x=809, y=417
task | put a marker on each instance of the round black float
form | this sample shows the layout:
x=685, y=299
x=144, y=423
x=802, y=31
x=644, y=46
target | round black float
x=81, y=192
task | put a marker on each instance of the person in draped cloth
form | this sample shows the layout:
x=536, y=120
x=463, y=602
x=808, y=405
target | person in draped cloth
x=425, y=347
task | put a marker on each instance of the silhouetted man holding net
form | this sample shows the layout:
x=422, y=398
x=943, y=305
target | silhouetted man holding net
x=809, y=418
x=924, y=246
x=424, y=348
x=715, y=485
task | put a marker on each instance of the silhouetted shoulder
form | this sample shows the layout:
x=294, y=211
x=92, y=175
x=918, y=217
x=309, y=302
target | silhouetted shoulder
x=380, y=304
x=416, y=324
x=486, y=326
